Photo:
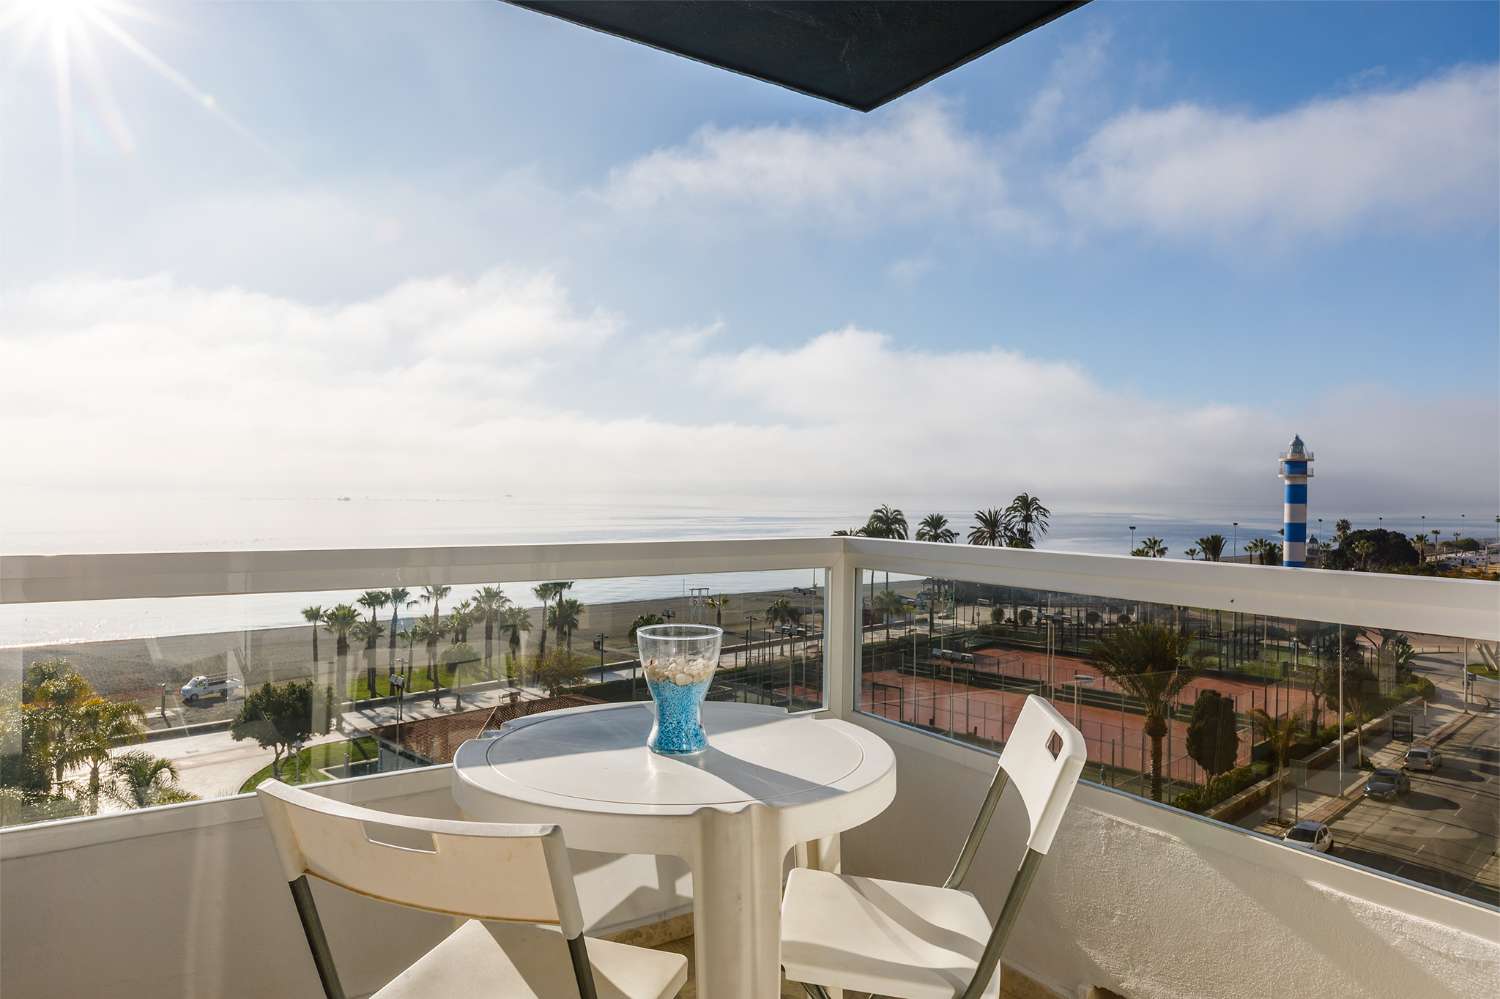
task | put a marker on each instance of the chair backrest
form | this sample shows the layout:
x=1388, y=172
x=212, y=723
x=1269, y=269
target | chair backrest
x=1043, y=758
x=482, y=870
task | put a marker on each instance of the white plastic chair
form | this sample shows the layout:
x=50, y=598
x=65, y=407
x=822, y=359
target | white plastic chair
x=920, y=942
x=524, y=934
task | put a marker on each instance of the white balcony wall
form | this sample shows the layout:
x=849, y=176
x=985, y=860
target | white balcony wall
x=189, y=901
x=1155, y=903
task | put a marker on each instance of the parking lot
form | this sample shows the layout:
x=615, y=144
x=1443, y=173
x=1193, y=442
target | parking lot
x=1444, y=832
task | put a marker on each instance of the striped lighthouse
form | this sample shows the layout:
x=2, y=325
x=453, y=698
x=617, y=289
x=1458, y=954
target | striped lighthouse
x=1296, y=469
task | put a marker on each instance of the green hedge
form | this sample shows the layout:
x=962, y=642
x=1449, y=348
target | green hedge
x=1226, y=785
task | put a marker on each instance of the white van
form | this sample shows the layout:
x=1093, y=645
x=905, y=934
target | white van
x=203, y=688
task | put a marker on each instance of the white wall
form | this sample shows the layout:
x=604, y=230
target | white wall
x=1156, y=903
x=189, y=901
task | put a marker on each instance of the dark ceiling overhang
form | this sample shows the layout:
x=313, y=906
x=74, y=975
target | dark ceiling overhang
x=860, y=55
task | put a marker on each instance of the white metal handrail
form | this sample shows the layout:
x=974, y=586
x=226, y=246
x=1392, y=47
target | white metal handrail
x=1464, y=608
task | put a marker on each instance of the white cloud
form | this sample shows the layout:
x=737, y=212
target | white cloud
x=912, y=161
x=1422, y=156
x=497, y=385
x=907, y=271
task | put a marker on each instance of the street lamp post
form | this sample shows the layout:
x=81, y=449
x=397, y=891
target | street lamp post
x=398, y=684
x=599, y=648
x=1132, y=537
x=1235, y=550
x=297, y=761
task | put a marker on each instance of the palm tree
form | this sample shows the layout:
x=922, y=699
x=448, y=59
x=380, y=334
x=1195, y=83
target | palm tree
x=1027, y=511
x=340, y=621
x=1153, y=547
x=886, y=522
x=991, y=527
x=1281, y=733
x=854, y=532
x=934, y=527
x=545, y=592
x=314, y=616
x=564, y=618
x=643, y=621
x=98, y=727
x=398, y=597
x=1342, y=528
x=781, y=612
x=373, y=600
x=429, y=630
x=1212, y=547
x=889, y=604
x=718, y=604
x=460, y=620
x=369, y=632
x=1150, y=663
x=52, y=695
x=515, y=620
x=434, y=595
x=488, y=603
x=1419, y=542
x=1191, y=553
x=138, y=779
x=1364, y=548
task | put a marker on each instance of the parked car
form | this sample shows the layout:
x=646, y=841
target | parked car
x=1386, y=784
x=205, y=688
x=1309, y=835
x=1423, y=758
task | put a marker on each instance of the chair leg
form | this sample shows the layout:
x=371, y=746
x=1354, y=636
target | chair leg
x=317, y=942
x=816, y=991
x=583, y=971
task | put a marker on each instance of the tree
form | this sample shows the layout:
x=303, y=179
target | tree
x=991, y=528
x=545, y=592
x=140, y=780
x=314, y=616
x=556, y=671
x=781, y=612
x=934, y=527
x=340, y=622
x=276, y=716
x=1212, y=547
x=1281, y=733
x=398, y=597
x=851, y=532
x=456, y=657
x=434, y=595
x=1028, y=512
x=97, y=728
x=52, y=695
x=889, y=604
x=1341, y=529
x=429, y=629
x=1361, y=687
x=1024, y=616
x=717, y=605
x=372, y=601
x=1151, y=548
x=886, y=522
x=1150, y=663
x=1363, y=549
x=1213, y=738
x=369, y=632
x=516, y=621
x=643, y=621
x=1191, y=553
x=564, y=618
x=489, y=602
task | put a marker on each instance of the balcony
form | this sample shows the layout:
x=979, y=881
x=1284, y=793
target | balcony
x=930, y=647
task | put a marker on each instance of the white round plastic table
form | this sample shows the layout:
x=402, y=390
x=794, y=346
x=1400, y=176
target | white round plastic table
x=767, y=781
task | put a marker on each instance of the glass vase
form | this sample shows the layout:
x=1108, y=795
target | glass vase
x=679, y=661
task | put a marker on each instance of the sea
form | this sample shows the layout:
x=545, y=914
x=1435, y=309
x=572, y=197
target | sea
x=233, y=523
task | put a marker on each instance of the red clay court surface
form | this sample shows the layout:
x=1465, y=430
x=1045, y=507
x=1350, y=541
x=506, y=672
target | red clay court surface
x=1113, y=737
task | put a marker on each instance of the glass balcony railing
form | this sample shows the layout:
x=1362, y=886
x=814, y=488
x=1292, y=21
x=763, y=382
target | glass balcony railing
x=1258, y=697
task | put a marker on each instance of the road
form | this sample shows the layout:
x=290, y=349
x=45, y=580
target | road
x=1443, y=833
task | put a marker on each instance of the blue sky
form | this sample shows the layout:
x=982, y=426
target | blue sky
x=1117, y=262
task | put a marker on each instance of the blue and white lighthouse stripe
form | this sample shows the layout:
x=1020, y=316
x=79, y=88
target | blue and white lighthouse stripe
x=1295, y=472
